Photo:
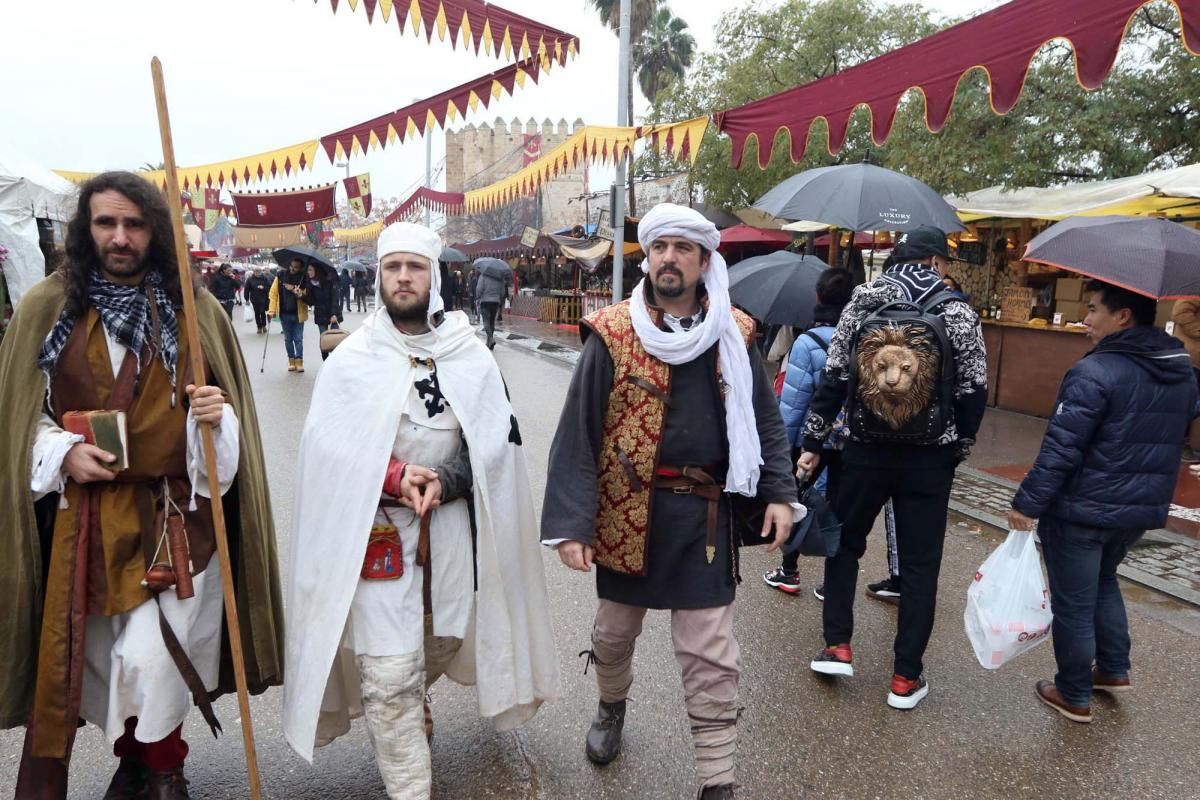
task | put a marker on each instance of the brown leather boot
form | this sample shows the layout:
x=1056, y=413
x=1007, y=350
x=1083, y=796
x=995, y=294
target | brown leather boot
x=1108, y=683
x=129, y=781
x=299, y=365
x=291, y=365
x=169, y=785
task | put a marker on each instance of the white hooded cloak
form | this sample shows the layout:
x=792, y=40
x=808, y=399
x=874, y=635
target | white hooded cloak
x=508, y=652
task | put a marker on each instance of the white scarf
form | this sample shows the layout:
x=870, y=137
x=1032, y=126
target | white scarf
x=718, y=325
x=509, y=651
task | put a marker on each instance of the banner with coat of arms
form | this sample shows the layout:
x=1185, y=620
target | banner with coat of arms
x=358, y=192
x=273, y=209
x=206, y=207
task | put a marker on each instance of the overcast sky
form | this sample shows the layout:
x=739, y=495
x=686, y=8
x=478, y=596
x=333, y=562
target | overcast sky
x=245, y=76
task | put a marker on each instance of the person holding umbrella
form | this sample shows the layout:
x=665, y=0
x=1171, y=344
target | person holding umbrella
x=288, y=302
x=323, y=296
x=224, y=287
x=1109, y=462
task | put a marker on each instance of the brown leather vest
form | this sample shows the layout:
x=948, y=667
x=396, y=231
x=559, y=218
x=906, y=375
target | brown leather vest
x=633, y=428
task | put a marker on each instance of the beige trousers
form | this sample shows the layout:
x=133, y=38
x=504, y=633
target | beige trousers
x=393, y=697
x=709, y=659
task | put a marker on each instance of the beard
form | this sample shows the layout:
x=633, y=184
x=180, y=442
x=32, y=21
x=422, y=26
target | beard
x=670, y=290
x=407, y=309
x=134, y=264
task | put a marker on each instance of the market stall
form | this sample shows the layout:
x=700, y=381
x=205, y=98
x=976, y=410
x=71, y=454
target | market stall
x=1032, y=312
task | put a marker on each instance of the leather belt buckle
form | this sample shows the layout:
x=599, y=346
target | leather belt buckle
x=682, y=489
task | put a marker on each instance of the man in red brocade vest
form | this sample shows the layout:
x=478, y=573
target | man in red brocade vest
x=669, y=412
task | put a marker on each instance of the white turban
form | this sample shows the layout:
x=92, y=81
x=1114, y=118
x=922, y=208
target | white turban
x=745, y=449
x=407, y=237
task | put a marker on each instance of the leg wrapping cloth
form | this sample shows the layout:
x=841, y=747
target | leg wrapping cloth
x=393, y=695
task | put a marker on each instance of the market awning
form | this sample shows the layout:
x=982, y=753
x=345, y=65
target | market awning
x=508, y=247
x=1171, y=192
x=1002, y=42
x=749, y=235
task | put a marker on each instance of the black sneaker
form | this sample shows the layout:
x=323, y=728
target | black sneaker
x=834, y=660
x=887, y=590
x=819, y=592
x=778, y=579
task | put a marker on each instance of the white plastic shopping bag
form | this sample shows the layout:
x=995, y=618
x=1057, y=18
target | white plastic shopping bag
x=247, y=313
x=1008, y=607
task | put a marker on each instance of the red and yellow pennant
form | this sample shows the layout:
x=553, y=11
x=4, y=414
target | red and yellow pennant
x=679, y=140
x=476, y=25
x=358, y=192
x=206, y=207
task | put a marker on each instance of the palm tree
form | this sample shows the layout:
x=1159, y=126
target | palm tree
x=641, y=12
x=664, y=53
x=150, y=166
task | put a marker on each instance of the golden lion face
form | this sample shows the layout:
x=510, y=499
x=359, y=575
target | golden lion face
x=897, y=373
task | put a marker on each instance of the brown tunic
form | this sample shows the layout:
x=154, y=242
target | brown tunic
x=103, y=544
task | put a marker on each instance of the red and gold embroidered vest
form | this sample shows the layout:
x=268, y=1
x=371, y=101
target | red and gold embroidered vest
x=633, y=428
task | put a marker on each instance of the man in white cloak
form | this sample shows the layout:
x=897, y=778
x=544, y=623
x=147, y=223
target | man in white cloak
x=433, y=438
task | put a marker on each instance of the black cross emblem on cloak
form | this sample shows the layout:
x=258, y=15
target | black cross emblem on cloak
x=436, y=403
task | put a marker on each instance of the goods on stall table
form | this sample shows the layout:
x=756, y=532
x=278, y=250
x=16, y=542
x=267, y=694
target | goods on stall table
x=1016, y=303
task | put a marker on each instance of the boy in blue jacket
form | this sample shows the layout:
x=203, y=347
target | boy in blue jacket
x=1105, y=474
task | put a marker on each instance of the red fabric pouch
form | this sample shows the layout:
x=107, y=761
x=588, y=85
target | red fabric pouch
x=384, y=560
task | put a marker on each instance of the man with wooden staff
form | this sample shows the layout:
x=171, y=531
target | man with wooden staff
x=107, y=560
x=414, y=552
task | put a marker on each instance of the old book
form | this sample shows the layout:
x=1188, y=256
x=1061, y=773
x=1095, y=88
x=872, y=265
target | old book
x=104, y=429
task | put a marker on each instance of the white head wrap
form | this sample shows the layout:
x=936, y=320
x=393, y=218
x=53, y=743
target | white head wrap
x=745, y=449
x=407, y=237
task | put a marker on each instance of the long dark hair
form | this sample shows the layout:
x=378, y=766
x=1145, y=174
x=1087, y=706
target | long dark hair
x=82, y=257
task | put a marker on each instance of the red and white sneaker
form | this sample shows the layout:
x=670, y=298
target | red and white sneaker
x=836, y=659
x=783, y=581
x=905, y=693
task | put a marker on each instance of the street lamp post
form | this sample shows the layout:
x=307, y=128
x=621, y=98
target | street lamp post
x=618, y=210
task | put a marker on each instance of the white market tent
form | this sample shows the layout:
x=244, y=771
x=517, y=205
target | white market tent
x=27, y=191
x=1170, y=192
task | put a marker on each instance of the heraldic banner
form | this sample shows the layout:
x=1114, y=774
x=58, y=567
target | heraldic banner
x=358, y=192
x=272, y=209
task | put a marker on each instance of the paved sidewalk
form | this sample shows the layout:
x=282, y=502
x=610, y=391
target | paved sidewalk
x=1167, y=561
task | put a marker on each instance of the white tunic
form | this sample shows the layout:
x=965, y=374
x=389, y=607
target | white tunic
x=387, y=617
x=127, y=671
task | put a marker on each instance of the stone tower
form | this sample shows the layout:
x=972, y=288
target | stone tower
x=478, y=156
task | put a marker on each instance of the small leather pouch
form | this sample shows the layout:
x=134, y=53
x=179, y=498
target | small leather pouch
x=384, y=560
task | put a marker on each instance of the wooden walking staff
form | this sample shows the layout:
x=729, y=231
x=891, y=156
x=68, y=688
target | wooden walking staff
x=196, y=355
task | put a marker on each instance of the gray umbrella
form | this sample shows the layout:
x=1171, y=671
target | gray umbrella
x=354, y=266
x=777, y=289
x=1148, y=255
x=859, y=197
x=493, y=268
x=452, y=256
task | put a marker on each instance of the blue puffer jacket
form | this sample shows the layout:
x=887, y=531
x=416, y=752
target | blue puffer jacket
x=805, y=362
x=1111, y=452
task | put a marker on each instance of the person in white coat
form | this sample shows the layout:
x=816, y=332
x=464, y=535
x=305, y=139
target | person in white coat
x=391, y=579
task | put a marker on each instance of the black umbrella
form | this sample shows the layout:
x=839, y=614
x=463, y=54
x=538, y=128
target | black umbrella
x=452, y=256
x=285, y=255
x=777, y=289
x=493, y=268
x=859, y=197
x=1148, y=255
x=354, y=266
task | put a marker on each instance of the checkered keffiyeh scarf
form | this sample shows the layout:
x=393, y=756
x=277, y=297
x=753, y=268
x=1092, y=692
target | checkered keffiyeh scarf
x=125, y=312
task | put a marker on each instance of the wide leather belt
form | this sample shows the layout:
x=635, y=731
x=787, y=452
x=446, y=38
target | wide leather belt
x=694, y=480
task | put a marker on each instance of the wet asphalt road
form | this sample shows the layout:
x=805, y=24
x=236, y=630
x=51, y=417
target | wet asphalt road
x=979, y=734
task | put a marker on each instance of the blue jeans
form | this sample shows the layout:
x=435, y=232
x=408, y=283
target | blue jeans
x=1090, y=625
x=293, y=335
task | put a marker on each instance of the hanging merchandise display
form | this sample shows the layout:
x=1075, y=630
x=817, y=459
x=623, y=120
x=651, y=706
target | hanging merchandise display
x=1002, y=42
x=272, y=209
x=358, y=193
